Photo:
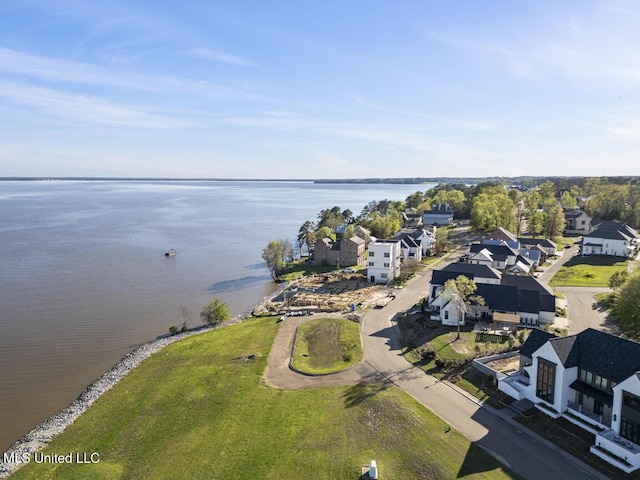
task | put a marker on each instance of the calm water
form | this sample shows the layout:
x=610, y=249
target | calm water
x=84, y=279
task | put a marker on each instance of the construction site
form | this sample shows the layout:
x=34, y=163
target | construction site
x=327, y=292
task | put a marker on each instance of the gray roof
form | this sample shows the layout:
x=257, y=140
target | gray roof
x=613, y=231
x=498, y=251
x=534, y=341
x=440, y=209
x=603, y=354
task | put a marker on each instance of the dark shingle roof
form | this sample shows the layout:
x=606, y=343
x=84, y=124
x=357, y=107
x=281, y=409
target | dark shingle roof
x=502, y=250
x=613, y=231
x=536, y=339
x=483, y=271
x=441, y=208
x=498, y=297
x=601, y=353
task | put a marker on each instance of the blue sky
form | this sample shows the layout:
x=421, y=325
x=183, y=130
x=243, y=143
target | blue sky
x=331, y=89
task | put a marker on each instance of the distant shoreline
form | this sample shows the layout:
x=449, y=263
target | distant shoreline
x=366, y=181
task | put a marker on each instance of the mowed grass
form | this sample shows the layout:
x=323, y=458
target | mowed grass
x=591, y=271
x=327, y=345
x=195, y=410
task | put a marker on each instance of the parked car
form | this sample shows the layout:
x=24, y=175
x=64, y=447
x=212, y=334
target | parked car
x=349, y=270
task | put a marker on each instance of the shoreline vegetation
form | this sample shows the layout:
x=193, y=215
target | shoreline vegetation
x=40, y=436
x=520, y=180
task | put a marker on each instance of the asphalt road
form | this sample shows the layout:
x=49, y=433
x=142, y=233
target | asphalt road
x=529, y=456
x=524, y=452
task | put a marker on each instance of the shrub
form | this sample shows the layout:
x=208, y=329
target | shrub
x=173, y=329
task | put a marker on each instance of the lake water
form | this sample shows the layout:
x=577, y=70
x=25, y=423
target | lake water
x=84, y=279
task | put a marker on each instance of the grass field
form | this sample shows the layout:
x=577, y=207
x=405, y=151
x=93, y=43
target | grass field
x=591, y=271
x=327, y=345
x=198, y=409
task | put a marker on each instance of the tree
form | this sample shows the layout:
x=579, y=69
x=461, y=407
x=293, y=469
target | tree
x=214, y=312
x=185, y=316
x=350, y=231
x=324, y=232
x=553, y=221
x=306, y=229
x=627, y=307
x=442, y=240
x=463, y=290
x=276, y=254
x=618, y=279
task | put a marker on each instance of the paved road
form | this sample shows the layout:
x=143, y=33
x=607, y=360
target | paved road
x=584, y=311
x=528, y=455
x=525, y=453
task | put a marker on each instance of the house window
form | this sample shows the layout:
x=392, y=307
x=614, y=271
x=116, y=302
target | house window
x=630, y=430
x=383, y=275
x=446, y=314
x=386, y=265
x=545, y=385
x=371, y=264
x=386, y=254
x=371, y=253
x=630, y=417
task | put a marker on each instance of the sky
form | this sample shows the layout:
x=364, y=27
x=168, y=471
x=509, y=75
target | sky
x=326, y=89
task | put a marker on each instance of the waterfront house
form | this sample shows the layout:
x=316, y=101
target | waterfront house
x=347, y=252
x=440, y=214
x=591, y=379
x=385, y=257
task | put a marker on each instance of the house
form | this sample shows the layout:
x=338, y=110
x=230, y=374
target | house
x=544, y=245
x=521, y=296
x=345, y=253
x=411, y=219
x=384, y=260
x=503, y=234
x=499, y=256
x=440, y=214
x=577, y=221
x=450, y=309
x=411, y=249
x=425, y=237
x=591, y=379
x=611, y=238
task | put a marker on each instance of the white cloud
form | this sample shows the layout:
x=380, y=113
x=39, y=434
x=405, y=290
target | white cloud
x=218, y=56
x=88, y=109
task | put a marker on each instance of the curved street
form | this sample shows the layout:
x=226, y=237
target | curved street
x=524, y=452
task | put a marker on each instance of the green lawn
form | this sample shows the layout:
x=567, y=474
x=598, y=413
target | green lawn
x=591, y=271
x=327, y=345
x=198, y=409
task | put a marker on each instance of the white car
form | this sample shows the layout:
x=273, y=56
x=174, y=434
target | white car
x=349, y=270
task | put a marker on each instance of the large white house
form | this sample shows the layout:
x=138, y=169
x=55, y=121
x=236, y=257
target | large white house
x=523, y=298
x=384, y=260
x=592, y=379
x=611, y=238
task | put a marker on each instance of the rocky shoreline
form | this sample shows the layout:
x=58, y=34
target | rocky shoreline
x=40, y=436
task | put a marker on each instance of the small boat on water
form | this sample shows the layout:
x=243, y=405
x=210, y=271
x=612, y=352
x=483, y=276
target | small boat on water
x=171, y=253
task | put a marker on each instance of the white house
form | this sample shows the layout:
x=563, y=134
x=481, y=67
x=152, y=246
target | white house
x=592, y=379
x=384, y=260
x=577, y=221
x=440, y=214
x=521, y=296
x=611, y=238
